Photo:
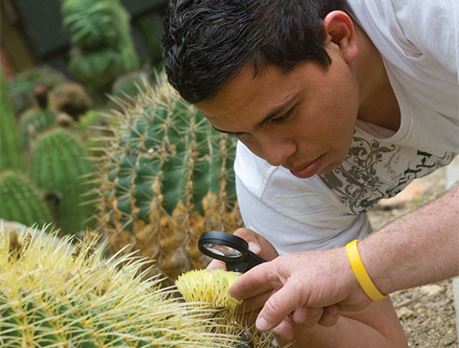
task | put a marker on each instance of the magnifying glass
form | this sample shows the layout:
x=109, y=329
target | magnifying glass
x=232, y=250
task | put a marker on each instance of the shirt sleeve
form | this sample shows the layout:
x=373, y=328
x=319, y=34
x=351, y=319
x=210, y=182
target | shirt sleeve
x=433, y=28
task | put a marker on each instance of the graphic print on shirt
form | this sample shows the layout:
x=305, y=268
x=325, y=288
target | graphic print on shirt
x=373, y=170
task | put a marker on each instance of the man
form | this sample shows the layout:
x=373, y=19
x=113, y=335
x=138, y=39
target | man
x=336, y=105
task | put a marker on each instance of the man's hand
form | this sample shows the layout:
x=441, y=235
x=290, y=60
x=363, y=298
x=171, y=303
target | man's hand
x=307, y=288
x=264, y=249
x=257, y=244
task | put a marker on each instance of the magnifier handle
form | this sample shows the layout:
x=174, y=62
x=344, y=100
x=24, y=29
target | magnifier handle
x=243, y=266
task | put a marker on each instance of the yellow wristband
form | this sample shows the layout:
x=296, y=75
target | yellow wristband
x=361, y=273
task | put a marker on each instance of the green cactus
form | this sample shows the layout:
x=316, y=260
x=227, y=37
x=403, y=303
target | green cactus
x=93, y=129
x=103, y=47
x=167, y=178
x=70, y=98
x=23, y=84
x=36, y=120
x=55, y=294
x=33, y=123
x=130, y=85
x=10, y=146
x=21, y=202
x=98, y=69
x=60, y=166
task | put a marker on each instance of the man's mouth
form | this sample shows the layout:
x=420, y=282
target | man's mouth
x=307, y=170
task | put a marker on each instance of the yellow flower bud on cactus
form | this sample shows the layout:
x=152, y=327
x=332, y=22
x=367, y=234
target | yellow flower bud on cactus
x=208, y=286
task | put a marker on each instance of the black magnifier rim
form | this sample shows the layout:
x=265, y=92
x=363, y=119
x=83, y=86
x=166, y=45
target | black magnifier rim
x=223, y=238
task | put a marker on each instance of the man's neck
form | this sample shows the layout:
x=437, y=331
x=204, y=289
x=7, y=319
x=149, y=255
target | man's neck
x=378, y=104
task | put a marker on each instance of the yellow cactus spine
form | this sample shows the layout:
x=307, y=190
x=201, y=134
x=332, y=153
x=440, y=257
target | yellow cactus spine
x=209, y=289
x=55, y=294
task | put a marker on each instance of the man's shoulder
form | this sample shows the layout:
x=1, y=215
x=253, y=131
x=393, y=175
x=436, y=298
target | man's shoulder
x=412, y=28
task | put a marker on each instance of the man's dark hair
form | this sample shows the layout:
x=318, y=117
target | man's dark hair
x=207, y=42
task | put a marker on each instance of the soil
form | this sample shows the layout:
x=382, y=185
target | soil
x=427, y=312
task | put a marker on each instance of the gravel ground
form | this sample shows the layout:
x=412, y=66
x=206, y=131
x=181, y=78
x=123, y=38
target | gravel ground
x=427, y=312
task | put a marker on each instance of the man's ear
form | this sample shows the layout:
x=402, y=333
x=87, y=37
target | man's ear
x=340, y=31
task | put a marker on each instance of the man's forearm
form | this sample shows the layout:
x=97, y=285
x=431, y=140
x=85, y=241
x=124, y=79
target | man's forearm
x=419, y=248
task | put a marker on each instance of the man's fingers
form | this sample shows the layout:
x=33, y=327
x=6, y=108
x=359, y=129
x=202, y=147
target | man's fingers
x=255, y=282
x=279, y=306
x=307, y=316
x=255, y=303
x=330, y=315
x=284, y=330
x=257, y=244
x=216, y=264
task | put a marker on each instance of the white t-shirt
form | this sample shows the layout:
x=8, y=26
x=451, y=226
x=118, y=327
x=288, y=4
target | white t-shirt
x=419, y=43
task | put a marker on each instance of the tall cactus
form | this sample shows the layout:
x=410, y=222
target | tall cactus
x=20, y=201
x=168, y=178
x=103, y=48
x=10, y=147
x=55, y=294
x=60, y=166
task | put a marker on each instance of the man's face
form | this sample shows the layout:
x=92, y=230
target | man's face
x=302, y=120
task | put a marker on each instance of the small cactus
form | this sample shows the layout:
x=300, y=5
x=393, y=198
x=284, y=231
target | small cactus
x=23, y=84
x=55, y=294
x=20, y=201
x=10, y=146
x=167, y=177
x=37, y=119
x=60, y=166
x=71, y=98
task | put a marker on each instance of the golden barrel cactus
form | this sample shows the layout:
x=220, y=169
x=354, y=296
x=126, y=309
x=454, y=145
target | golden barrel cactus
x=55, y=294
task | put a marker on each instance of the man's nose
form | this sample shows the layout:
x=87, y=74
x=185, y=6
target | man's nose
x=275, y=151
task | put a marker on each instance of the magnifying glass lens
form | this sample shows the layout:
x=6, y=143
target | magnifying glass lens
x=222, y=250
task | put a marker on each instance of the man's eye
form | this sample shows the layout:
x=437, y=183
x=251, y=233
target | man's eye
x=282, y=118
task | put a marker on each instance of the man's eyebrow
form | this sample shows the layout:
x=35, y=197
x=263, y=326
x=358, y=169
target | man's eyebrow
x=278, y=110
x=275, y=111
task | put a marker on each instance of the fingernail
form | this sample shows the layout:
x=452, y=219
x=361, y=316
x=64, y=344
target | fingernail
x=253, y=247
x=262, y=324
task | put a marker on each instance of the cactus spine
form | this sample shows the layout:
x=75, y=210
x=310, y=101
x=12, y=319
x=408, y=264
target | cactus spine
x=10, y=147
x=54, y=294
x=60, y=166
x=168, y=178
x=21, y=202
